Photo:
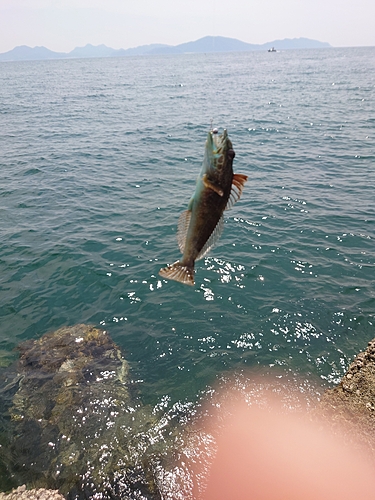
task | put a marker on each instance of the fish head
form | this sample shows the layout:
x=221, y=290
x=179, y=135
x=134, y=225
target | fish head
x=218, y=153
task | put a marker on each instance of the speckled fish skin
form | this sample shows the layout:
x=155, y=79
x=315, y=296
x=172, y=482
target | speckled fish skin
x=201, y=224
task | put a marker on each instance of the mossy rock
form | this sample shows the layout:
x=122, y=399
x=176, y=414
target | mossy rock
x=73, y=425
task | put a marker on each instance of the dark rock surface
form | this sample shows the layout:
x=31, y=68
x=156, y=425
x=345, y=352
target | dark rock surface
x=72, y=421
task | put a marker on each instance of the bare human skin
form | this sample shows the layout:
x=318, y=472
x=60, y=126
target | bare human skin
x=269, y=454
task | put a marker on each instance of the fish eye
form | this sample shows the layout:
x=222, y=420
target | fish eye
x=231, y=153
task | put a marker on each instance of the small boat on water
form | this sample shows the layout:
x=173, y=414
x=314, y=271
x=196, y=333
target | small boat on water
x=272, y=49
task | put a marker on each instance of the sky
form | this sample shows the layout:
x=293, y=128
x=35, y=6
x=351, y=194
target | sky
x=62, y=25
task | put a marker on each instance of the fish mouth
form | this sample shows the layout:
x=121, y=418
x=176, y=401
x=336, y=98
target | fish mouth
x=219, y=142
x=218, y=146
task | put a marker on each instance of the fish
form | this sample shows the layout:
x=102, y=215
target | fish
x=200, y=226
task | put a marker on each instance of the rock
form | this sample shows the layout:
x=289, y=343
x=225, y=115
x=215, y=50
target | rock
x=73, y=424
x=351, y=404
x=21, y=493
x=70, y=424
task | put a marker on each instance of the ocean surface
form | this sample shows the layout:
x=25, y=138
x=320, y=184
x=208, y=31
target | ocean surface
x=98, y=158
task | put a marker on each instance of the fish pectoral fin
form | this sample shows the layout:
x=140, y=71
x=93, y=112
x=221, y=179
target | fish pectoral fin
x=182, y=229
x=238, y=183
x=208, y=184
x=215, y=235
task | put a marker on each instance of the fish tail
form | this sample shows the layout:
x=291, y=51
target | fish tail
x=179, y=272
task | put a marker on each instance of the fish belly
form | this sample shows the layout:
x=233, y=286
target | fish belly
x=205, y=217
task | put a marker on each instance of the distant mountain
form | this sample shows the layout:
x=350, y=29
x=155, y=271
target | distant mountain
x=223, y=44
x=295, y=43
x=92, y=51
x=205, y=44
x=25, y=53
x=144, y=50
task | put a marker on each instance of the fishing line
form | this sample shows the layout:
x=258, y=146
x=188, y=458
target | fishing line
x=210, y=97
x=213, y=25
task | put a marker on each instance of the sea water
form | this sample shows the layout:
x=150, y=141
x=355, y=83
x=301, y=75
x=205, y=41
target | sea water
x=98, y=158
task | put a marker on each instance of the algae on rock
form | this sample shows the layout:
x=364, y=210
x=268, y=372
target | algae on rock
x=73, y=422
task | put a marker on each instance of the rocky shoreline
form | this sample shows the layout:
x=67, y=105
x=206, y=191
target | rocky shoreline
x=59, y=376
x=70, y=423
x=351, y=404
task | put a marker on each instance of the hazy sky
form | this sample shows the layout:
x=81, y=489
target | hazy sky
x=62, y=25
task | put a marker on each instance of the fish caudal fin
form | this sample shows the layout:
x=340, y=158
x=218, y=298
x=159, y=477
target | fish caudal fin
x=178, y=272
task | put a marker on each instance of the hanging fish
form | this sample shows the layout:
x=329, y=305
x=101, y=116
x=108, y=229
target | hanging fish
x=200, y=226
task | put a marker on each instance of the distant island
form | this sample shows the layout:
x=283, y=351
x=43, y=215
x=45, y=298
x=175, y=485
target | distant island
x=203, y=45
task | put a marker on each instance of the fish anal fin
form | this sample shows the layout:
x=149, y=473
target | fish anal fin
x=208, y=184
x=182, y=229
x=178, y=272
x=215, y=235
x=238, y=183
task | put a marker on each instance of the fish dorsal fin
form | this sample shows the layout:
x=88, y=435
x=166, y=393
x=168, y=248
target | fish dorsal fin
x=238, y=183
x=215, y=235
x=182, y=229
